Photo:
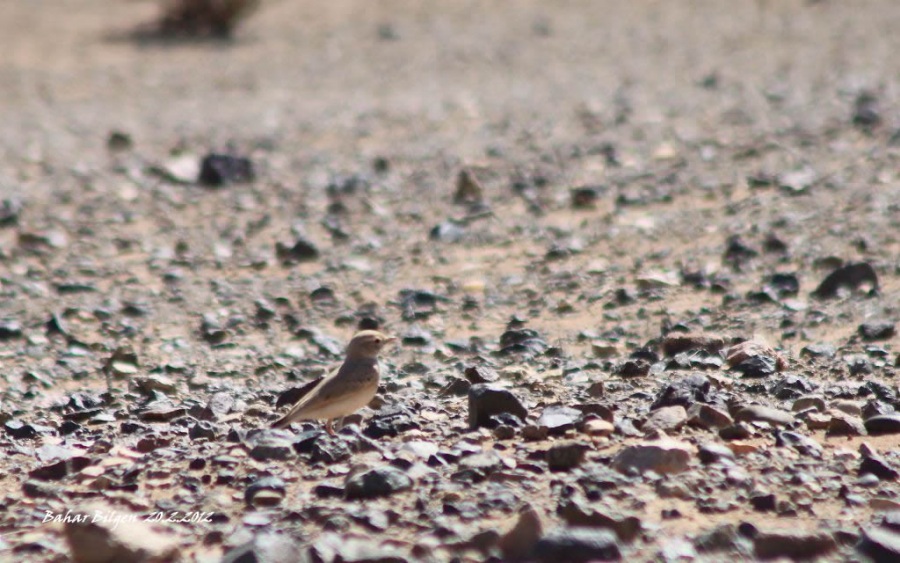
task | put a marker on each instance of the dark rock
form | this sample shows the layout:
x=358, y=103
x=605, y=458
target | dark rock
x=518, y=542
x=881, y=544
x=878, y=466
x=737, y=253
x=486, y=401
x=662, y=457
x=585, y=197
x=756, y=366
x=268, y=445
x=565, y=456
x=792, y=386
x=468, y=188
x=684, y=392
x=521, y=341
x=852, y=277
x=665, y=419
x=676, y=343
x=60, y=469
x=706, y=416
x=302, y=250
x=804, y=445
x=865, y=111
x=577, y=545
x=763, y=502
x=9, y=329
x=883, y=424
x=843, y=424
x=481, y=374
x=378, y=482
x=577, y=512
x=203, y=430
x=794, y=545
x=221, y=169
x=391, y=421
x=874, y=407
x=871, y=331
x=23, y=431
x=713, y=452
x=818, y=351
x=632, y=368
x=267, y=491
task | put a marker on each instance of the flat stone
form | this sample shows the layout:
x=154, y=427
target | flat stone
x=713, y=452
x=809, y=402
x=267, y=546
x=518, y=541
x=577, y=511
x=577, y=545
x=881, y=544
x=706, y=416
x=759, y=413
x=662, y=456
x=666, y=419
x=598, y=427
x=378, y=482
x=883, y=424
x=843, y=424
x=559, y=419
x=486, y=401
x=566, y=455
x=793, y=545
x=102, y=534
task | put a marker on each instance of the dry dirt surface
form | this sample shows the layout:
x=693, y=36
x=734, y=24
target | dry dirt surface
x=642, y=258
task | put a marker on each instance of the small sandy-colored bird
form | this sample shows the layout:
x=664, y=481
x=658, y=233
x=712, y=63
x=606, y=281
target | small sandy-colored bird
x=346, y=389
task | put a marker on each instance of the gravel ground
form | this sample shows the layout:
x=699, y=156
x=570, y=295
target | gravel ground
x=641, y=258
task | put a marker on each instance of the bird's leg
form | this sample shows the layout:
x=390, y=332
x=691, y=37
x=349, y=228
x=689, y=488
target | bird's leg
x=340, y=423
x=329, y=428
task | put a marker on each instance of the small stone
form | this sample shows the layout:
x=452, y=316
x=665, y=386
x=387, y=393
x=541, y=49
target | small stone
x=713, y=452
x=809, y=402
x=871, y=331
x=665, y=419
x=598, y=427
x=559, y=419
x=267, y=491
x=677, y=343
x=758, y=413
x=577, y=545
x=881, y=544
x=843, y=424
x=578, y=512
x=468, y=188
x=378, y=482
x=222, y=169
x=302, y=250
x=804, y=445
x=518, y=542
x=852, y=277
x=705, y=416
x=486, y=401
x=267, y=546
x=102, y=534
x=565, y=456
x=745, y=351
x=878, y=466
x=684, y=392
x=883, y=424
x=793, y=545
x=662, y=457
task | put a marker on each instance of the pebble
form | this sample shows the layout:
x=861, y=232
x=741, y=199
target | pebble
x=883, y=424
x=518, y=542
x=567, y=455
x=577, y=545
x=486, y=401
x=712, y=452
x=758, y=413
x=809, y=402
x=559, y=419
x=705, y=416
x=378, y=482
x=843, y=424
x=665, y=419
x=871, y=331
x=577, y=511
x=793, y=544
x=598, y=427
x=101, y=540
x=881, y=544
x=267, y=491
x=662, y=456
x=266, y=546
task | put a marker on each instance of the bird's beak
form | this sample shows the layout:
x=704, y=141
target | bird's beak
x=392, y=340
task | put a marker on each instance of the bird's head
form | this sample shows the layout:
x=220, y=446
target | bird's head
x=368, y=343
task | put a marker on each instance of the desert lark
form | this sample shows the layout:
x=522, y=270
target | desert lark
x=346, y=389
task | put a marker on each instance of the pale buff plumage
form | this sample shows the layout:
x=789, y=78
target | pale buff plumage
x=346, y=389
